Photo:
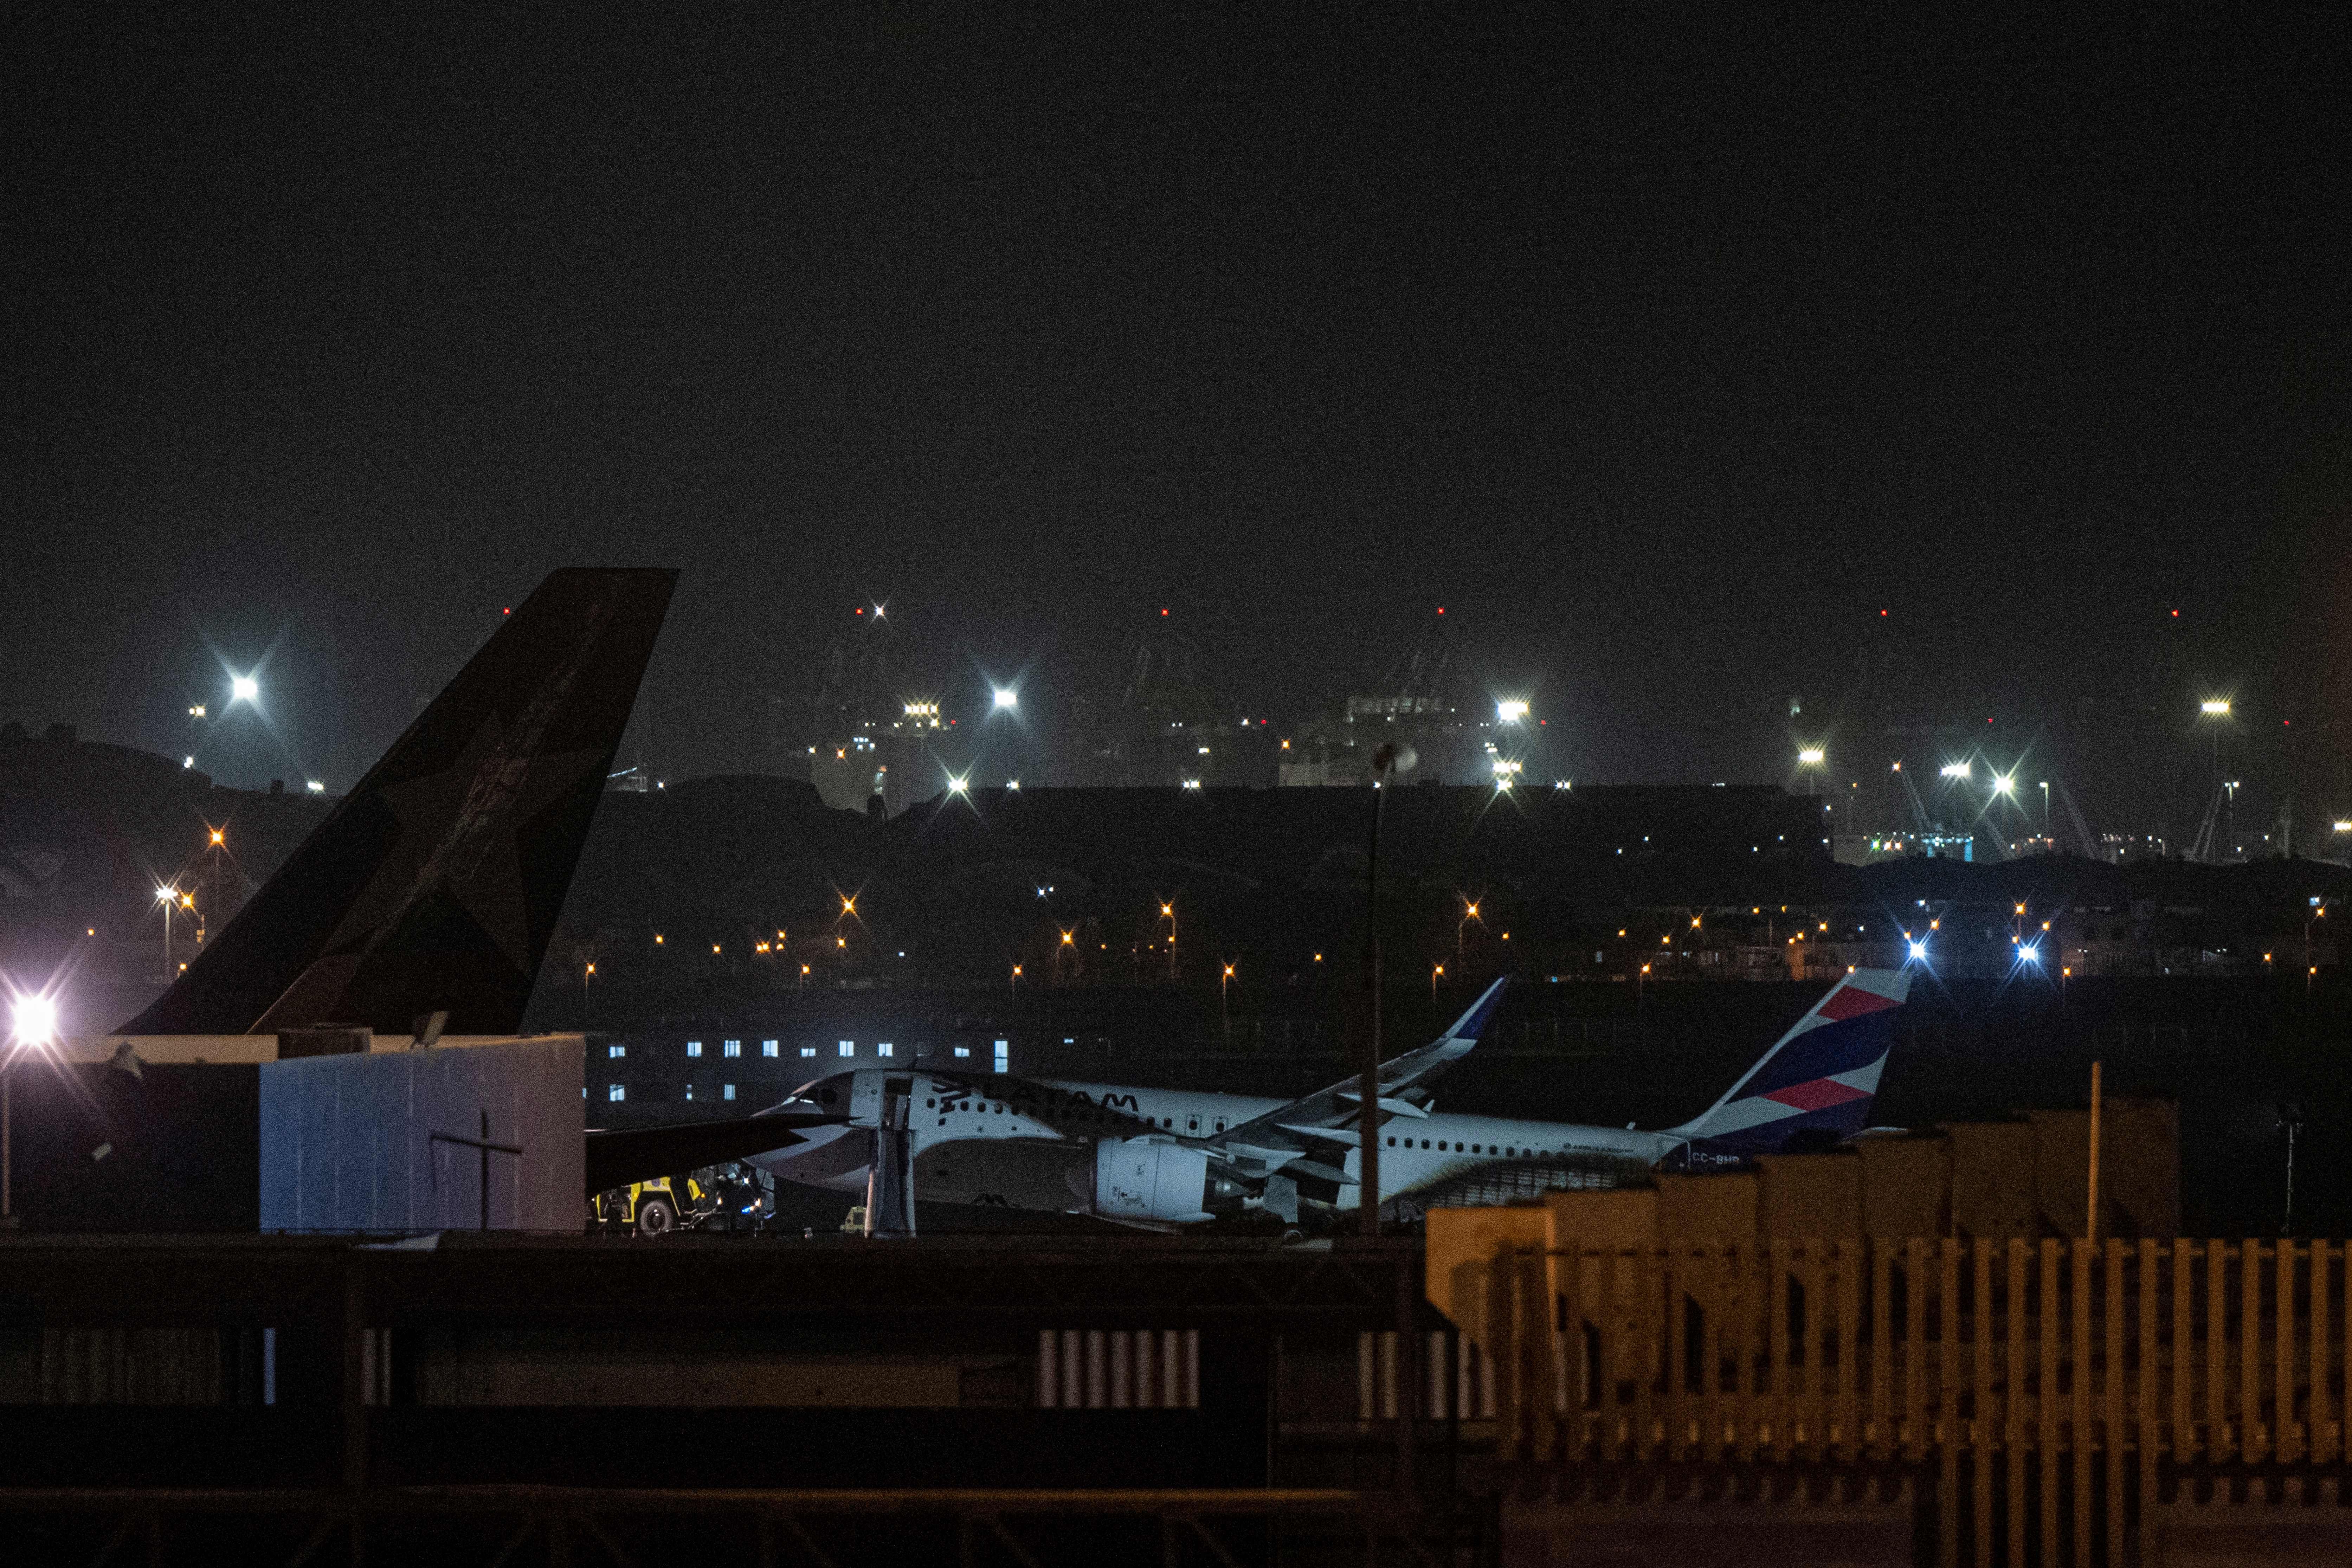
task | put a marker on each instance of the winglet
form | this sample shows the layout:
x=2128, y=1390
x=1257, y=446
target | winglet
x=1473, y=1024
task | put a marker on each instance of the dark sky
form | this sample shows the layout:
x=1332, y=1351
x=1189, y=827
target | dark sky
x=1667, y=346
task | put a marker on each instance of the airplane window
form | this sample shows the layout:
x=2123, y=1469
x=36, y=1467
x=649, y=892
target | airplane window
x=931, y=1105
x=1192, y=1124
x=1221, y=1124
x=1425, y=1142
x=1391, y=1143
x=1514, y=1154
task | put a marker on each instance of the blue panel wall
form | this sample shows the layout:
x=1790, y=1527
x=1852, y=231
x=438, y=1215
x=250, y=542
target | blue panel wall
x=382, y=1143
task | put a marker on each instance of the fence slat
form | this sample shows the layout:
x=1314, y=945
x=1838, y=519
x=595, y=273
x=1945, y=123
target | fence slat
x=1641, y=1284
x=1677, y=1356
x=2078, y=1433
x=1916, y=1436
x=1947, y=1402
x=2113, y=1373
x=1813, y=1409
x=2254, y=1433
x=2320, y=1419
x=1846, y=1431
x=1980, y=1352
x=1710, y=1371
x=1748, y=1278
x=1615, y=1356
x=2150, y=1378
x=1536, y=1358
x=1882, y=1437
x=1777, y=1306
x=2046, y=1332
x=2013, y=1399
x=2285, y=1433
x=2215, y=1347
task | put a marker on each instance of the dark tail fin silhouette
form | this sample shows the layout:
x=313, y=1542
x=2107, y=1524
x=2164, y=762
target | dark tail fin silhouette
x=436, y=883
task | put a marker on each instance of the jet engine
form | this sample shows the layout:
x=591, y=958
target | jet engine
x=1144, y=1178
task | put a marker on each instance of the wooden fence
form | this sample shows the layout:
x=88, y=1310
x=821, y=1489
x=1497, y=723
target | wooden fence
x=2042, y=1384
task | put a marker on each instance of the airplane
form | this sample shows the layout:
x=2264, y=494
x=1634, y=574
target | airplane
x=1166, y=1158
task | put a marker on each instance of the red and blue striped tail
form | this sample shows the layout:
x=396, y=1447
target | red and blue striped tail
x=1818, y=1081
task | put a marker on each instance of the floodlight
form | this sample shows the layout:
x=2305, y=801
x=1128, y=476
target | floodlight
x=1510, y=712
x=244, y=689
x=1007, y=697
x=35, y=1019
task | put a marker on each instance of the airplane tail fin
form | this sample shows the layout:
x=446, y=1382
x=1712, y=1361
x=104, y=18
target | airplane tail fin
x=435, y=883
x=1819, y=1077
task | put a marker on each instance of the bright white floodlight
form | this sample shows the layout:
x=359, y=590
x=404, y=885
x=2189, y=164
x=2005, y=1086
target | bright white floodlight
x=1919, y=950
x=244, y=689
x=1956, y=770
x=1510, y=712
x=2030, y=955
x=35, y=1020
x=2003, y=785
x=956, y=786
x=1812, y=756
x=1007, y=697
x=2214, y=708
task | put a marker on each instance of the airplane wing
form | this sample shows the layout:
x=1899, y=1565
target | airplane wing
x=1403, y=1079
x=1307, y=1139
x=615, y=1159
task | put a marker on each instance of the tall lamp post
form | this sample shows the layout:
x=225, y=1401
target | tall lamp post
x=167, y=897
x=1387, y=763
x=33, y=1026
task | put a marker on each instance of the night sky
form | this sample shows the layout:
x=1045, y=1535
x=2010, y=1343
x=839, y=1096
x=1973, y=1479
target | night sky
x=1666, y=347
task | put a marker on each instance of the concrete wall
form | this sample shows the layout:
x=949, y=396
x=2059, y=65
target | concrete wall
x=362, y=1142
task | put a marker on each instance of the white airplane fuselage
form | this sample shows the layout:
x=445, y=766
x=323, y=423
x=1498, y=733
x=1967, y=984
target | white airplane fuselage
x=1416, y=1151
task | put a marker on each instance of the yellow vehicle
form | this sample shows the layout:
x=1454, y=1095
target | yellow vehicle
x=657, y=1208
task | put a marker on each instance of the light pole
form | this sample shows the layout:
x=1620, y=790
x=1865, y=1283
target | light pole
x=1224, y=1020
x=1469, y=913
x=1436, y=974
x=1811, y=760
x=1168, y=911
x=166, y=897
x=585, y=977
x=33, y=1026
x=1386, y=762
